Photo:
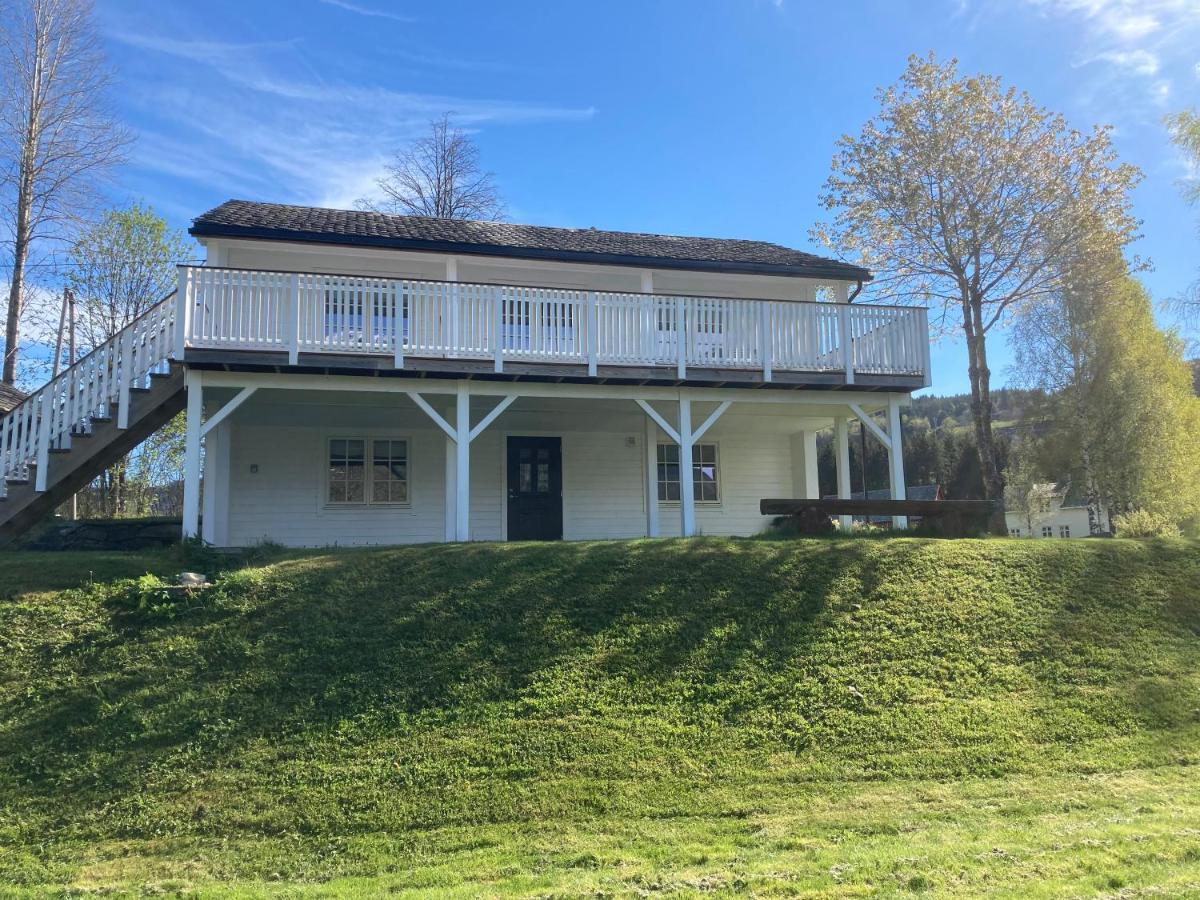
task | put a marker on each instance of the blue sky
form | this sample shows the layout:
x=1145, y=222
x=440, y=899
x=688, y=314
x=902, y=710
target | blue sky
x=711, y=117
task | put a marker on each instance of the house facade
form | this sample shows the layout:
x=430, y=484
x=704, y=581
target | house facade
x=1066, y=515
x=357, y=378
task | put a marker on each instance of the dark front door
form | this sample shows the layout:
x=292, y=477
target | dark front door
x=534, y=488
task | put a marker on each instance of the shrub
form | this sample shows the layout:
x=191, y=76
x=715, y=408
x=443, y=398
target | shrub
x=1141, y=523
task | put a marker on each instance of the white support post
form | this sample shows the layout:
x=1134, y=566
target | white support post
x=847, y=340
x=191, y=454
x=462, y=481
x=687, y=495
x=896, y=459
x=42, y=457
x=841, y=426
x=455, y=318
x=498, y=324
x=766, y=346
x=593, y=334
x=451, y=502
x=680, y=341
x=183, y=310
x=805, y=484
x=124, y=377
x=292, y=321
x=651, y=478
x=398, y=297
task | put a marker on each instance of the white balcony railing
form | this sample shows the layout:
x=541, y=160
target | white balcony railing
x=308, y=313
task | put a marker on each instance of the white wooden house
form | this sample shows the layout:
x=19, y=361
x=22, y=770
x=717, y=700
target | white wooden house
x=358, y=378
x=1066, y=514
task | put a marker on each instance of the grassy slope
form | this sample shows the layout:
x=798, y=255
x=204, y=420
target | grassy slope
x=822, y=716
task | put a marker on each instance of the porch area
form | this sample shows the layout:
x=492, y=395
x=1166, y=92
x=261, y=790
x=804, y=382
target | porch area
x=318, y=460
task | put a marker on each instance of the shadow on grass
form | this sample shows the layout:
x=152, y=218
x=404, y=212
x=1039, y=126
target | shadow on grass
x=438, y=631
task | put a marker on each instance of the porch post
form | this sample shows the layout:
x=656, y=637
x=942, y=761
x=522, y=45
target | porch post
x=841, y=427
x=651, y=478
x=462, y=481
x=687, y=495
x=191, y=454
x=896, y=459
x=451, y=514
x=215, y=477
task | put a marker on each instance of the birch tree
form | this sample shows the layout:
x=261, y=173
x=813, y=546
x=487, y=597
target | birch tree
x=966, y=195
x=57, y=138
x=1185, y=132
x=439, y=175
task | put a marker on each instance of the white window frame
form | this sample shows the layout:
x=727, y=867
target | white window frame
x=1047, y=531
x=1064, y=531
x=369, y=468
x=716, y=466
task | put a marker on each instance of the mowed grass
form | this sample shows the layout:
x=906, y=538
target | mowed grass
x=777, y=718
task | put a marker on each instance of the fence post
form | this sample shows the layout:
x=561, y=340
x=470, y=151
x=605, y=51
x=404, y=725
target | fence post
x=125, y=376
x=293, y=321
x=593, y=330
x=183, y=311
x=847, y=340
x=680, y=341
x=766, y=346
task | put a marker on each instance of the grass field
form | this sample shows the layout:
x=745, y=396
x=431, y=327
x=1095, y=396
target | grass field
x=814, y=718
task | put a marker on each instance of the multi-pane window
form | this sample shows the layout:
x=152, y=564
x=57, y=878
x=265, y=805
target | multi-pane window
x=362, y=471
x=1014, y=532
x=1047, y=531
x=389, y=471
x=1064, y=531
x=347, y=470
x=705, y=480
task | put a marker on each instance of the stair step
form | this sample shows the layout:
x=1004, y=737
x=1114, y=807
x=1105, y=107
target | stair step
x=139, y=390
x=60, y=450
x=16, y=482
x=160, y=374
x=100, y=420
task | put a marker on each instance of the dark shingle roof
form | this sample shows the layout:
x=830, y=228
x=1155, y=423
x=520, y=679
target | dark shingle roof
x=276, y=221
x=10, y=398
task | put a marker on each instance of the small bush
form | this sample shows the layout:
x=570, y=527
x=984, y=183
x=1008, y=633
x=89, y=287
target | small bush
x=1141, y=523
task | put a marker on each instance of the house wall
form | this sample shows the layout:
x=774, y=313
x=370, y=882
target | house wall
x=298, y=257
x=1074, y=517
x=604, y=477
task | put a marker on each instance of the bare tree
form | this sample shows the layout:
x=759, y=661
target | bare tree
x=967, y=194
x=439, y=175
x=56, y=135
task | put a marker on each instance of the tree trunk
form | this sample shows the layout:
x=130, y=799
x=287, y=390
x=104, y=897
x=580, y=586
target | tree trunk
x=12, y=330
x=981, y=410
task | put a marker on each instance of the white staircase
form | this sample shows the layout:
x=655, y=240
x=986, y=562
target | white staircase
x=84, y=419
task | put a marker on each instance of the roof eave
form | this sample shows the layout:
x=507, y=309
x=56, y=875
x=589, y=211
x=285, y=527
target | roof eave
x=844, y=272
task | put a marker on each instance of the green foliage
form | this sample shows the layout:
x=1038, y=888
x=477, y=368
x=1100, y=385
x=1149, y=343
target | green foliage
x=966, y=194
x=119, y=268
x=1141, y=523
x=822, y=717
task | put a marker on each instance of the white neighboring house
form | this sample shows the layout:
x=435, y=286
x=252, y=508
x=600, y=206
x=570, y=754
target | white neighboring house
x=360, y=378
x=1066, y=515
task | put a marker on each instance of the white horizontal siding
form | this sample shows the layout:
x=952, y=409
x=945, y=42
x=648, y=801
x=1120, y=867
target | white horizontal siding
x=603, y=475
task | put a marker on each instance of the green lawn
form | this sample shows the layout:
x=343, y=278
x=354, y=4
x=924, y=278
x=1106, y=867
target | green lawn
x=814, y=718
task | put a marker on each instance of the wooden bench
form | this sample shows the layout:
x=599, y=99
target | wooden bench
x=945, y=518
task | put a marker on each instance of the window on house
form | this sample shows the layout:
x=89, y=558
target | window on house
x=362, y=471
x=1047, y=531
x=389, y=471
x=1014, y=532
x=347, y=470
x=1064, y=531
x=705, y=478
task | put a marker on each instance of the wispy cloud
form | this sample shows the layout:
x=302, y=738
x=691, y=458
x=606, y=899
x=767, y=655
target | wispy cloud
x=1136, y=53
x=370, y=12
x=282, y=129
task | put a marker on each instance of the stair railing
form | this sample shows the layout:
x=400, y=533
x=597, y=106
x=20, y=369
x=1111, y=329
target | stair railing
x=96, y=386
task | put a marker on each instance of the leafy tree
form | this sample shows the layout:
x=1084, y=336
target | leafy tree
x=1120, y=411
x=439, y=175
x=56, y=136
x=118, y=268
x=965, y=193
x=1185, y=132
